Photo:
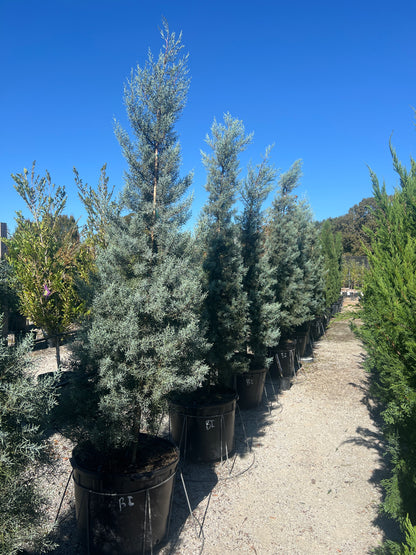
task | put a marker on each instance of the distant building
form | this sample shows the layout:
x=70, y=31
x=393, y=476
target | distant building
x=3, y=233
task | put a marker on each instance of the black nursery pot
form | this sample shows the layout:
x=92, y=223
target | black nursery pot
x=124, y=513
x=286, y=351
x=250, y=387
x=203, y=425
x=302, y=340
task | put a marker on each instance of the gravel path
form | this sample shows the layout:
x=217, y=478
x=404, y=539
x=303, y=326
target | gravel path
x=304, y=479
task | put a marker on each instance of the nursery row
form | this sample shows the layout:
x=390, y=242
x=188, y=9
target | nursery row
x=168, y=318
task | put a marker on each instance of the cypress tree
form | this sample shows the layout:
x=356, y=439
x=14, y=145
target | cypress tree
x=312, y=262
x=263, y=311
x=146, y=332
x=225, y=306
x=389, y=331
x=285, y=255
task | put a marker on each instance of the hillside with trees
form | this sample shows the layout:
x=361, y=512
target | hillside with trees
x=352, y=224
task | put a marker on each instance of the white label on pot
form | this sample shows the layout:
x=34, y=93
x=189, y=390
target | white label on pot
x=249, y=381
x=209, y=424
x=122, y=504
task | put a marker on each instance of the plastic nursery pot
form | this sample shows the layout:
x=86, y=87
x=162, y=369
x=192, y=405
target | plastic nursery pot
x=286, y=352
x=202, y=425
x=124, y=513
x=250, y=387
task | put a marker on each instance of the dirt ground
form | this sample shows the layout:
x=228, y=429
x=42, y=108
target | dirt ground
x=305, y=478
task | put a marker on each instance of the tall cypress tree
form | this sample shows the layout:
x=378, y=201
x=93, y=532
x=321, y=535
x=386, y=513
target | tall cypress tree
x=146, y=333
x=263, y=310
x=389, y=331
x=284, y=252
x=225, y=307
x=312, y=262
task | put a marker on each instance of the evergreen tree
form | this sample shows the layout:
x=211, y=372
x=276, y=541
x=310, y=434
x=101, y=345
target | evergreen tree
x=263, y=311
x=312, y=263
x=146, y=334
x=389, y=331
x=332, y=252
x=225, y=307
x=284, y=253
x=44, y=256
x=24, y=405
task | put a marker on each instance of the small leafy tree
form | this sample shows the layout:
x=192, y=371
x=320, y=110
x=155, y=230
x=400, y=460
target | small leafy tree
x=43, y=254
x=225, y=307
x=99, y=207
x=353, y=271
x=146, y=336
x=24, y=406
x=263, y=311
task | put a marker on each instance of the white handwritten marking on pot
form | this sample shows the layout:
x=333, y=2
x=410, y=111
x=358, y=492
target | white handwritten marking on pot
x=122, y=504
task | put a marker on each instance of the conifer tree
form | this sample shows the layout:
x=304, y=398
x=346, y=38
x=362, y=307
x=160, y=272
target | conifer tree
x=225, y=307
x=332, y=252
x=284, y=253
x=263, y=310
x=312, y=262
x=389, y=331
x=24, y=405
x=146, y=332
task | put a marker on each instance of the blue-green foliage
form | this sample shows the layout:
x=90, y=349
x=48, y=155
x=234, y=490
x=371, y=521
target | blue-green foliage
x=146, y=334
x=225, y=307
x=312, y=261
x=389, y=331
x=289, y=237
x=24, y=405
x=263, y=310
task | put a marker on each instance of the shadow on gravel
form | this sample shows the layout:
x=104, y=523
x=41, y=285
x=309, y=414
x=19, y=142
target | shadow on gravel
x=251, y=424
x=65, y=535
x=375, y=440
x=194, y=486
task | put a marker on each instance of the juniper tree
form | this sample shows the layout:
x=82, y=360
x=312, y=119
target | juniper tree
x=225, y=307
x=263, y=310
x=312, y=263
x=284, y=252
x=146, y=334
x=24, y=405
x=44, y=257
x=389, y=331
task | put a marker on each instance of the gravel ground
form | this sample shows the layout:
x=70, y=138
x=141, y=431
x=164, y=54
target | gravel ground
x=304, y=479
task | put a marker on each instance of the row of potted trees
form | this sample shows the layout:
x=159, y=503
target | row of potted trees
x=168, y=329
x=177, y=320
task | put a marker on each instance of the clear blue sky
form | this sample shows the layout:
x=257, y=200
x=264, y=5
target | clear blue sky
x=325, y=81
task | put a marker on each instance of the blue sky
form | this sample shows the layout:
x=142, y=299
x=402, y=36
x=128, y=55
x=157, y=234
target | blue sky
x=327, y=82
